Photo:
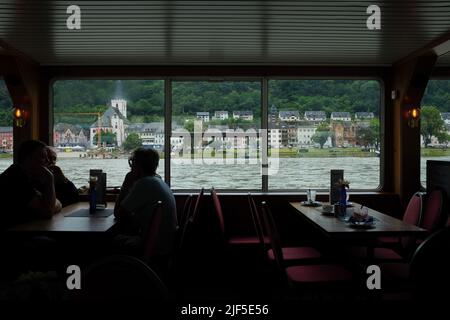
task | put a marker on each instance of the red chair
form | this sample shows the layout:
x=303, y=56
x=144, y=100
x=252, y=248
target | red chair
x=389, y=247
x=152, y=233
x=432, y=217
x=302, y=274
x=289, y=253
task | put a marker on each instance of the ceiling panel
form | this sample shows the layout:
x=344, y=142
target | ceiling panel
x=221, y=32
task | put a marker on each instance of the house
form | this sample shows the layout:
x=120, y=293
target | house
x=363, y=115
x=344, y=134
x=304, y=135
x=203, y=116
x=243, y=115
x=113, y=120
x=446, y=117
x=69, y=135
x=341, y=116
x=221, y=115
x=317, y=116
x=289, y=116
x=6, y=139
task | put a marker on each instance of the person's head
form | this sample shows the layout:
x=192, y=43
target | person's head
x=144, y=161
x=32, y=153
x=51, y=155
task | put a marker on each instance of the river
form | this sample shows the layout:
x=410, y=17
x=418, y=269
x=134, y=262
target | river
x=293, y=173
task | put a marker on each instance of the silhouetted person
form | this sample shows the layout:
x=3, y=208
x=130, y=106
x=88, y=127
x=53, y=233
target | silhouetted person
x=141, y=190
x=27, y=188
x=66, y=192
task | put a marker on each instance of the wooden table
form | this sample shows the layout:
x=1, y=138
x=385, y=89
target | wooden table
x=62, y=223
x=384, y=225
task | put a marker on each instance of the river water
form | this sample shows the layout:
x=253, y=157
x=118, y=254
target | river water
x=290, y=173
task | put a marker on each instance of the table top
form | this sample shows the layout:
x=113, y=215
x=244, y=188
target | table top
x=62, y=223
x=384, y=224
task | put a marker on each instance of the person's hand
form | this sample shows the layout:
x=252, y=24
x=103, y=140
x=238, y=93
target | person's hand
x=129, y=180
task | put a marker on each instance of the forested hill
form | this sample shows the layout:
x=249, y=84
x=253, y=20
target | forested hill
x=146, y=96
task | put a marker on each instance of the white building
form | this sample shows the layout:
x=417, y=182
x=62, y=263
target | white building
x=114, y=120
x=304, y=135
x=341, y=116
x=363, y=115
x=446, y=117
x=289, y=116
x=315, y=116
x=244, y=115
x=203, y=116
x=221, y=115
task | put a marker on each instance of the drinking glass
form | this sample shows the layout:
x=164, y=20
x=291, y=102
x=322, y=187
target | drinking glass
x=312, y=196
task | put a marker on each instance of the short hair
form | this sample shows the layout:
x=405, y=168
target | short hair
x=27, y=148
x=147, y=159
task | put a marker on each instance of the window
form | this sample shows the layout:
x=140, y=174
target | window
x=96, y=124
x=6, y=128
x=215, y=135
x=324, y=125
x=435, y=124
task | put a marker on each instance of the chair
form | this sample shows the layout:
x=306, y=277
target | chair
x=289, y=253
x=150, y=239
x=301, y=274
x=388, y=248
x=432, y=217
x=426, y=271
x=121, y=278
x=184, y=222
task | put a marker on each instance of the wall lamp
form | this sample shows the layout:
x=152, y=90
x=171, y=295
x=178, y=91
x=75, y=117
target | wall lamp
x=413, y=117
x=20, y=116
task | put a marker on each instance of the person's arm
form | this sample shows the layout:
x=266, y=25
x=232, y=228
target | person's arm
x=45, y=202
x=137, y=197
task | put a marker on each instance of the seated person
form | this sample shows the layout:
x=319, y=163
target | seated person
x=27, y=188
x=66, y=192
x=141, y=189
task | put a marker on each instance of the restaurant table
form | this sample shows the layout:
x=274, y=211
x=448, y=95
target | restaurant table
x=385, y=225
x=62, y=222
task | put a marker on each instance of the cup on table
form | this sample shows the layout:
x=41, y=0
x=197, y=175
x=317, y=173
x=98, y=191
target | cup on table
x=311, y=196
x=328, y=208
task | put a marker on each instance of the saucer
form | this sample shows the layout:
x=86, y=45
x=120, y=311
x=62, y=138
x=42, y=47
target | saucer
x=311, y=204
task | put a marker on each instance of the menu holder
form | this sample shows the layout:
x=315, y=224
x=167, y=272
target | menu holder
x=100, y=188
x=335, y=176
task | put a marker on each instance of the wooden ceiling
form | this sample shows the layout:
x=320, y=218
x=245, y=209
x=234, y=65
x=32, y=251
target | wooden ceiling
x=222, y=32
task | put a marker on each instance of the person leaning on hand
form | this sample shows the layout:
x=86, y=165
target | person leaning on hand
x=27, y=188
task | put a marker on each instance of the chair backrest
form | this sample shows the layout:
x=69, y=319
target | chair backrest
x=121, y=277
x=256, y=221
x=197, y=205
x=218, y=209
x=413, y=214
x=272, y=232
x=432, y=217
x=185, y=221
x=430, y=266
x=151, y=237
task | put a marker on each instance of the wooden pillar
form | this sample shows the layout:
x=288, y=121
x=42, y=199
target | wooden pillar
x=22, y=80
x=410, y=79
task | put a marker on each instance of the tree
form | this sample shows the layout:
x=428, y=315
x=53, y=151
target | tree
x=107, y=138
x=321, y=135
x=366, y=136
x=375, y=127
x=132, y=142
x=431, y=124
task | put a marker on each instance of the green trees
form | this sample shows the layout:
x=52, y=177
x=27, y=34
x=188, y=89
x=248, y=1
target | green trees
x=132, y=142
x=106, y=138
x=431, y=124
x=321, y=135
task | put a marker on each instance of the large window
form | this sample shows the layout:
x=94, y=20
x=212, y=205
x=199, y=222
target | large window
x=435, y=124
x=319, y=125
x=220, y=134
x=215, y=135
x=6, y=128
x=97, y=123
